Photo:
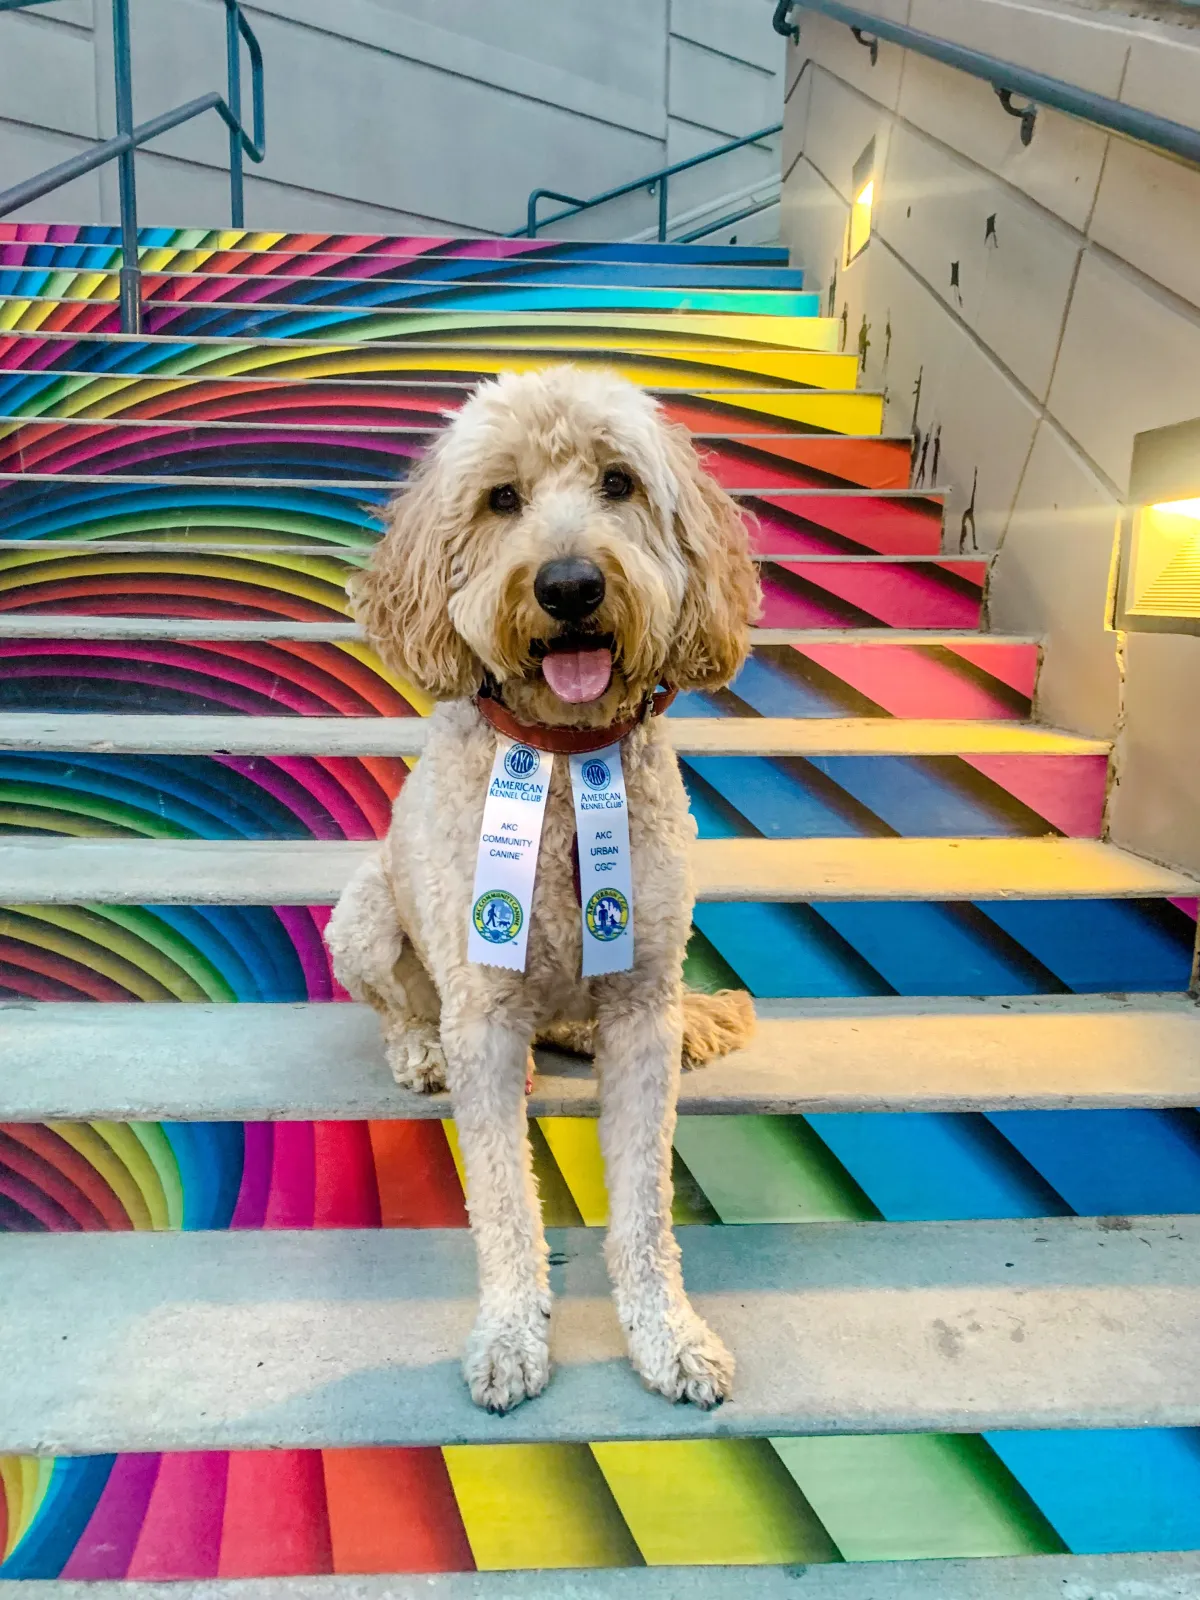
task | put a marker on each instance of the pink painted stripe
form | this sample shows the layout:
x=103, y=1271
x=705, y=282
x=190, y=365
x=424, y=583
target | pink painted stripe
x=181, y=1534
x=1068, y=791
x=293, y=1178
x=1189, y=907
x=900, y=597
x=890, y=527
x=310, y=948
x=910, y=681
x=1013, y=664
x=106, y=1546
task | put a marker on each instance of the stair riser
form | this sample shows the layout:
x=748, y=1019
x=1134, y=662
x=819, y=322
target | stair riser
x=308, y=797
x=663, y=356
x=20, y=240
x=973, y=680
x=211, y=584
x=59, y=275
x=872, y=463
x=827, y=950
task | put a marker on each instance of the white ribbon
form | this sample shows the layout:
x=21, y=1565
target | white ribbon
x=509, y=840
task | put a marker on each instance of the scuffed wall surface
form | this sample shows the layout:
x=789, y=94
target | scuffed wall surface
x=1027, y=311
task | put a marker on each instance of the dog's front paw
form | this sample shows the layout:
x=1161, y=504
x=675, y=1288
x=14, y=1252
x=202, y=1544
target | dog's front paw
x=682, y=1358
x=508, y=1359
x=414, y=1053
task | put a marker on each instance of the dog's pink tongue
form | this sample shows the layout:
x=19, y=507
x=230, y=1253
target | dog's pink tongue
x=578, y=676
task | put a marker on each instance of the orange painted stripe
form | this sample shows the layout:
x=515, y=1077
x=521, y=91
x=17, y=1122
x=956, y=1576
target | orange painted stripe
x=416, y=1176
x=393, y=1511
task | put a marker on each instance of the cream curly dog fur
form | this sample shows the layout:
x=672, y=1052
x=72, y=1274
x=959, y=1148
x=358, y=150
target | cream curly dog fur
x=559, y=466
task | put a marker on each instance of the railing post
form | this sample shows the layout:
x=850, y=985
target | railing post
x=233, y=52
x=662, y=209
x=131, y=271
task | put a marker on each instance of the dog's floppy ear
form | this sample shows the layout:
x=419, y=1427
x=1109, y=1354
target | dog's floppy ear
x=722, y=597
x=402, y=598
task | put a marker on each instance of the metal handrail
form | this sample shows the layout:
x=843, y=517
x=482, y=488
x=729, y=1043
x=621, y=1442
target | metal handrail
x=129, y=137
x=648, y=181
x=1007, y=79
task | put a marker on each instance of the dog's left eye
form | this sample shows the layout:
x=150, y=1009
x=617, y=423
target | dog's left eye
x=505, y=500
x=616, y=484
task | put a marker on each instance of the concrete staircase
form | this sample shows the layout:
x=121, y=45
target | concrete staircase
x=235, y=1272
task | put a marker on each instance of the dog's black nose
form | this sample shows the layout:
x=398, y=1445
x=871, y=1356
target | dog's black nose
x=569, y=589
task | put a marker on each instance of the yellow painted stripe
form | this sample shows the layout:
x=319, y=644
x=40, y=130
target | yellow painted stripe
x=712, y=1502
x=421, y=703
x=124, y=1143
x=575, y=1145
x=283, y=578
x=537, y=1506
x=82, y=1137
x=11, y=1487
x=71, y=933
x=451, y=1133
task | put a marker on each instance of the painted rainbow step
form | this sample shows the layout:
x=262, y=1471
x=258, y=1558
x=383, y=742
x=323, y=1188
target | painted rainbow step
x=275, y=1514
x=30, y=291
x=59, y=265
x=180, y=920
x=16, y=238
x=112, y=665
x=172, y=777
x=800, y=386
x=870, y=461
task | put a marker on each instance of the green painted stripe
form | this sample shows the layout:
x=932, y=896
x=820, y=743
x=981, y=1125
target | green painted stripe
x=769, y=1169
x=910, y=1497
x=195, y=969
x=157, y=1146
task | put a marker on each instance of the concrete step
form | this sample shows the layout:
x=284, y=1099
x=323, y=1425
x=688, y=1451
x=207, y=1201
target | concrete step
x=695, y=356
x=874, y=461
x=39, y=871
x=162, y=246
x=193, y=1341
x=406, y=736
x=174, y=1063
x=1120, y=1577
x=193, y=294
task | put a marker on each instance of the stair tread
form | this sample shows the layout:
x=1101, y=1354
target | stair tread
x=118, y=733
x=47, y=625
x=250, y=1062
x=145, y=1341
x=56, y=871
x=1174, y=1576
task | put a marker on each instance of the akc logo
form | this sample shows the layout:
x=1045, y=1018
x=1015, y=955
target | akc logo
x=596, y=775
x=498, y=916
x=607, y=914
x=521, y=761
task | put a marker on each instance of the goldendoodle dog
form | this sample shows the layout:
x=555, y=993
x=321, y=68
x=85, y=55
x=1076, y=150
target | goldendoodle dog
x=556, y=565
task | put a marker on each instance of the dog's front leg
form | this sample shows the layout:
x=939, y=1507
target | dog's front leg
x=640, y=1026
x=508, y=1354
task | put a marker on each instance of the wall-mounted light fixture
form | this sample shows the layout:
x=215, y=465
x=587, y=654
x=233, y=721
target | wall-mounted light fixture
x=1158, y=588
x=862, y=190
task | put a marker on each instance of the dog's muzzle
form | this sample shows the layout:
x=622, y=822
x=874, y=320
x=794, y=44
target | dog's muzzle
x=569, y=589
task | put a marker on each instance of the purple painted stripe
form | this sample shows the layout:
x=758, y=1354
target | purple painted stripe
x=257, y=1160
x=106, y=1546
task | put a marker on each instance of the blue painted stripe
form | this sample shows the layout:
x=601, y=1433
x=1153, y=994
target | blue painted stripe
x=76, y=1485
x=919, y=1166
x=1109, y=1490
x=1103, y=946
x=1112, y=1163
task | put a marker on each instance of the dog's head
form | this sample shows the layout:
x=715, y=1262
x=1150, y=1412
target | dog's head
x=564, y=538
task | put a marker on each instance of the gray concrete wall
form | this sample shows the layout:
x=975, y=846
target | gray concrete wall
x=1029, y=310
x=403, y=114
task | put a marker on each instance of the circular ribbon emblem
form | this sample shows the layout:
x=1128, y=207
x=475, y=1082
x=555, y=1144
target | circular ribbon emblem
x=607, y=914
x=522, y=761
x=498, y=916
x=596, y=774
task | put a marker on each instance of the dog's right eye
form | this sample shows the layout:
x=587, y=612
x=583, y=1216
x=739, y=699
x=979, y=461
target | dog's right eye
x=504, y=500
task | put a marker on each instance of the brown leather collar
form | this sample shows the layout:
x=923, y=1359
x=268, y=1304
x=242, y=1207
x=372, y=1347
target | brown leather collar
x=569, y=741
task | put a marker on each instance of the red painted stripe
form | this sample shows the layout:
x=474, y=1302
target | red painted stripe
x=346, y=1193
x=910, y=681
x=48, y=976
x=393, y=1511
x=1014, y=664
x=275, y=1523
x=109, y=1213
